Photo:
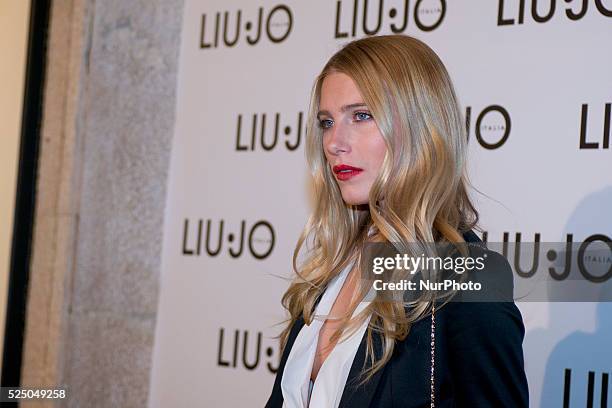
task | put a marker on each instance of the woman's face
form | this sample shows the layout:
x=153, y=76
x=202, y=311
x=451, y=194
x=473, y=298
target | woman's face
x=352, y=142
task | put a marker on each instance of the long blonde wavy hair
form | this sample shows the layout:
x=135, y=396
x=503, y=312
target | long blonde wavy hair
x=419, y=196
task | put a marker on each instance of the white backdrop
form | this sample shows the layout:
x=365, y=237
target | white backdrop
x=237, y=202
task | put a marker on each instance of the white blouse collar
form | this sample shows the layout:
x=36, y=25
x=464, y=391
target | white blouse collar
x=331, y=378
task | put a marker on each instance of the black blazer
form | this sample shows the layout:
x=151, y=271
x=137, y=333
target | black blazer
x=478, y=357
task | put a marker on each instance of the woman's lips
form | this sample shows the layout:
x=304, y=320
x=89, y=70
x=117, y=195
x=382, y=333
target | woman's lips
x=345, y=172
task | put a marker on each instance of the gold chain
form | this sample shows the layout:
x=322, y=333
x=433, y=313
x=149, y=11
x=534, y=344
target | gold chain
x=433, y=349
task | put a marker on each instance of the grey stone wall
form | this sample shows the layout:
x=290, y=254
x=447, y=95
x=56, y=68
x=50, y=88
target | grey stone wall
x=107, y=131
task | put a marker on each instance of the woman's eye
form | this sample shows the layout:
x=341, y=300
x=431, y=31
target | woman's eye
x=325, y=123
x=363, y=116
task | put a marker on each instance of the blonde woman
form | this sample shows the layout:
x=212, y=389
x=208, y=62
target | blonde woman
x=387, y=147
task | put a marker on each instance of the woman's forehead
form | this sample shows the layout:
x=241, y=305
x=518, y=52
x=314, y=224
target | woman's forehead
x=338, y=92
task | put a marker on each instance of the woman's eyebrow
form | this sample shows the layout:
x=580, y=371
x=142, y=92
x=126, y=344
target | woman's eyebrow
x=344, y=108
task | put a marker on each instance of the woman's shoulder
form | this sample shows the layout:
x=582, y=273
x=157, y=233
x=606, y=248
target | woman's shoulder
x=484, y=305
x=487, y=274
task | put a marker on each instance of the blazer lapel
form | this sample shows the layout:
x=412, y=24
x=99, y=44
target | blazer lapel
x=360, y=397
x=297, y=326
x=295, y=330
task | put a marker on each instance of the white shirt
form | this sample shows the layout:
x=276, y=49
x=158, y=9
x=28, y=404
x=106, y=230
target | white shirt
x=331, y=378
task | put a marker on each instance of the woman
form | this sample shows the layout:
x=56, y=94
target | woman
x=387, y=148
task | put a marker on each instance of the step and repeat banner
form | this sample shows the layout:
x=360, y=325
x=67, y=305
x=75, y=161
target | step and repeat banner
x=534, y=79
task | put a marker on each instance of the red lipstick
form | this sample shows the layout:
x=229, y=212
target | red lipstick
x=345, y=172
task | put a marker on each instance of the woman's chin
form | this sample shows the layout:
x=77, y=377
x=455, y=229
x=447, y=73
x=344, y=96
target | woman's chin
x=354, y=200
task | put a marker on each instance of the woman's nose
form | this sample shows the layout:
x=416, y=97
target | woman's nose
x=337, y=140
